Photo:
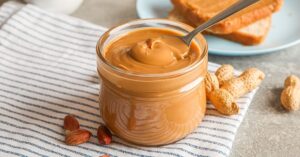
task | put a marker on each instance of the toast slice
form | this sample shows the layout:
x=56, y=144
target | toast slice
x=251, y=35
x=199, y=11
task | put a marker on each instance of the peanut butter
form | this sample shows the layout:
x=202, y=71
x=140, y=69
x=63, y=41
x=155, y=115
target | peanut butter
x=152, y=110
x=151, y=51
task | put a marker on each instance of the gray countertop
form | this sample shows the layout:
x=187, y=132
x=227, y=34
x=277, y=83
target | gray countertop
x=267, y=130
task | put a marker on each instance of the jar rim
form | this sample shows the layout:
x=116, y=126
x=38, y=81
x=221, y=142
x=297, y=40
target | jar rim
x=152, y=75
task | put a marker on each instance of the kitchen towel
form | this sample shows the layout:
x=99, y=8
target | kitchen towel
x=48, y=70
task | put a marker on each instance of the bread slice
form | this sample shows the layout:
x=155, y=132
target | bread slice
x=199, y=11
x=251, y=35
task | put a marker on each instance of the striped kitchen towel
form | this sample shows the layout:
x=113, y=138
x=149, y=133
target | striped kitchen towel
x=48, y=70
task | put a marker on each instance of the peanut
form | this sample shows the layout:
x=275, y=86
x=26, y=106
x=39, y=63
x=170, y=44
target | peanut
x=292, y=81
x=290, y=96
x=223, y=98
x=77, y=137
x=70, y=124
x=246, y=82
x=220, y=98
x=224, y=102
x=73, y=134
x=104, y=135
x=211, y=83
x=224, y=73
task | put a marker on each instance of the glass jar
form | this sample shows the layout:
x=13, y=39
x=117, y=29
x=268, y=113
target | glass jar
x=152, y=109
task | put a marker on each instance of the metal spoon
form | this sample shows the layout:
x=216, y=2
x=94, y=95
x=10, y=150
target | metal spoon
x=241, y=4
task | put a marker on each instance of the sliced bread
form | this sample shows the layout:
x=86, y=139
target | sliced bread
x=199, y=11
x=251, y=35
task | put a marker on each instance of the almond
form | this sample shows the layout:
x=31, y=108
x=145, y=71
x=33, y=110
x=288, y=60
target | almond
x=70, y=124
x=77, y=137
x=104, y=135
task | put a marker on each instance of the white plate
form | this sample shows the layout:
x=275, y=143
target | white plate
x=285, y=29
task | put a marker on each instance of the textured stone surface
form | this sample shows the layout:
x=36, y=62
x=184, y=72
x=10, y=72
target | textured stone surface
x=267, y=130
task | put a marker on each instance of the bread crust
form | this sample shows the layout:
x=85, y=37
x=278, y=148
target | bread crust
x=244, y=38
x=229, y=25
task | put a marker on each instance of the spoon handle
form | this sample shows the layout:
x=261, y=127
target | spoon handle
x=241, y=4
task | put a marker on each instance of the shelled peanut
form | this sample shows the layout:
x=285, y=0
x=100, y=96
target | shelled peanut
x=230, y=87
x=104, y=135
x=290, y=96
x=74, y=135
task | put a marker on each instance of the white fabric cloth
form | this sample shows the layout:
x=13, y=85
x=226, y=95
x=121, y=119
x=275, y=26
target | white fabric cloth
x=48, y=70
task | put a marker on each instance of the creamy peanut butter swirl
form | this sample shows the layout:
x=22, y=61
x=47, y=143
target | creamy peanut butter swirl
x=150, y=51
